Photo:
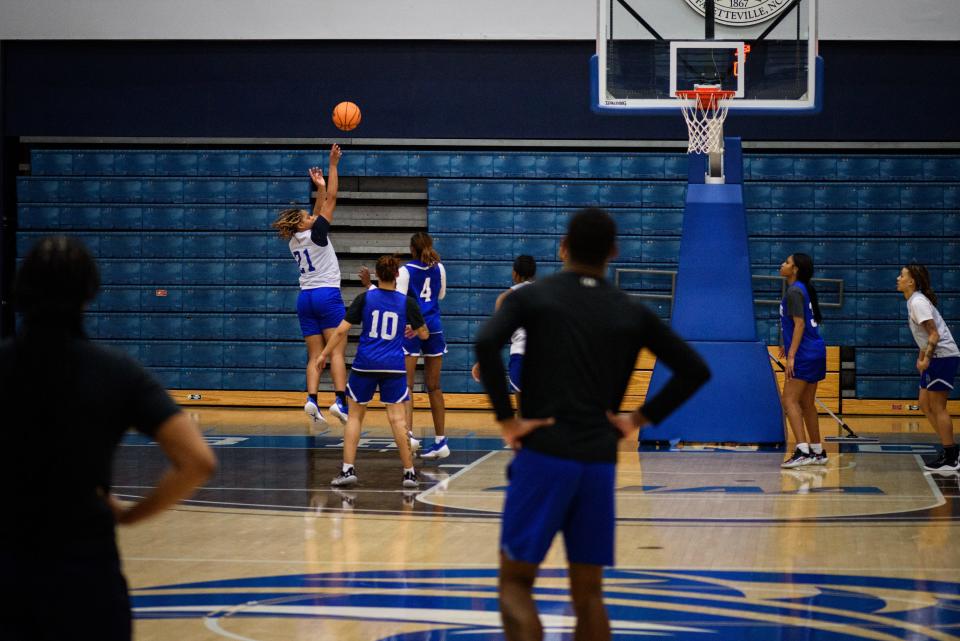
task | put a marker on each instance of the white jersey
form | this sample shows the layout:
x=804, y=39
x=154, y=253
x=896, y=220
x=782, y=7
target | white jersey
x=315, y=257
x=920, y=309
x=518, y=340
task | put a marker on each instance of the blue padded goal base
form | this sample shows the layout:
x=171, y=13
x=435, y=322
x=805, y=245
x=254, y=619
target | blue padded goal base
x=740, y=403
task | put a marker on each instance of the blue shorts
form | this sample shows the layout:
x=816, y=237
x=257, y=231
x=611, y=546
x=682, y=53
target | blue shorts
x=513, y=371
x=319, y=309
x=547, y=495
x=433, y=346
x=393, y=387
x=811, y=370
x=939, y=376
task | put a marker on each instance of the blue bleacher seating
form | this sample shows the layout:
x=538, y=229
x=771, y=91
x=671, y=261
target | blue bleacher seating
x=239, y=272
x=578, y=194
x=448, y=219
x=858, y=168
x=170, y=377
x=201, y=354
x=386, y=163
x=926, y=223
x=163, y=217
x=600, y=166
x=457, y=330
x=878, y=223
x=430, y=164
x=453, y=245
x=537, y=221
x=664, y=194
x=460, y=381
x=162, y=273
x=93, y=163
x=246, y=299
x=757, y=195
x=284, y=379
x=459, y=357
x=41, y=216
x=51, y=163
x=676, y=167
x=514, y=165
x=118, y=299
x=120, y=217
x=203, y=327
x=134, y=163
x=491, y=194
x=449, y=192
x=491, y=221
x=656, y=222
x=536, y=193
x=839, y=332
x=206, y=299
x=793, y=196
x=201, y=378
x=471, y=165
x=244, y=327
x=247, y=191
x=88, y=190
x=123, y=325
x=350, y=164
x=218, y=163
x=120, y=246
x=921, y=196
x=877, y=252
x=120, y=272
x=177, y=163
x=158, y=326
x=289, y=191
x=835, y=223
x=161, y=190
x=557, y=166
x=161, y=299
x=878, y=196
x=244, y=355
x=901, y=168
x=770, y=167
x=165, y=246
x=837, y=252
x=110, y=190
x=758, y=222
x=879, y=306
x=457, y=302
x=280, y=299
x=243, y=379
x=944, y=168
x=877, y=361
x=482, y=301
x=643, y=167
x=836, y=196
x=285, y=354
x=878, y=334
x=260, y=163
x=282, y=326
x=815, y=168
x=951, y=253
x=927, y=252
x=795, y=222
x=486, y=274
x=489, y=248
x=206, y=245
x=458, y=271
x=160, y=353
x=661, y=250
x=617, y=194
x=631, y=250
x=540, y=247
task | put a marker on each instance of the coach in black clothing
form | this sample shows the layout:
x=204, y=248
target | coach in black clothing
x=583, y=338
x=66, y=403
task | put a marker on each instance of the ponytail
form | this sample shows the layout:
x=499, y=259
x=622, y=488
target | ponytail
x=421, y=246
x=804, y=274
x=921, y=277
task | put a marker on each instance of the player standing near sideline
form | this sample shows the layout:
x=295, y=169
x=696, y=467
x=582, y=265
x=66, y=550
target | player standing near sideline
x=583, y=337
x=524, y=269
x=426, y=278
x=384, y=313
x=937, y=362
x=59, y=512
x=806, y=363
x=320, y=304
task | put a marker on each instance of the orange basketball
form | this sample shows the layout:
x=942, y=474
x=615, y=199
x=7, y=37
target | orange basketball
x=346, y=116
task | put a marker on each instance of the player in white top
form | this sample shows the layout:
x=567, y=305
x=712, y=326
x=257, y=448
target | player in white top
x=320, y=304
x=524, y=269
x=937, y=362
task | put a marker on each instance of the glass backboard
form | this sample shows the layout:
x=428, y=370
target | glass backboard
x=764, y=50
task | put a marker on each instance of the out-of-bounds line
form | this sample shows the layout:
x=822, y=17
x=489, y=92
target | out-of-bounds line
x=432, y=490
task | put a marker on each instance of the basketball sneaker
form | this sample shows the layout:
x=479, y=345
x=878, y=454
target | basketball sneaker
x=414, y=443
x=410, y=479
x=339, y=409
x=345, y=478
x=313, y=412
x=943, y=463
x=818, y=459
x=798, y=459
x=438, y=450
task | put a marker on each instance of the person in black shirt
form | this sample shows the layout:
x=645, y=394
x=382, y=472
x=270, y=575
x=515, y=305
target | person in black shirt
x=66, y=404
x=583, y=338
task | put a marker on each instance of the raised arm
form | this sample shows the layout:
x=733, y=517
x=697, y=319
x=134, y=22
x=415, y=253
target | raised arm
x=333, y=183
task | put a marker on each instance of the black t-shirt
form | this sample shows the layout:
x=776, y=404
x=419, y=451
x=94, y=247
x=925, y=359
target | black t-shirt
x=65, y=408
x=583, y=338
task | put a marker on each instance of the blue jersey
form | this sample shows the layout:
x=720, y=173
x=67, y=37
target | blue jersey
x=811, y=345
x=383, y=315
x=429, y=285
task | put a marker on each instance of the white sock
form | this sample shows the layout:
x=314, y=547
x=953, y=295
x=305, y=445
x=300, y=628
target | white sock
x=817, y=448
x=347, y=467
x=409, y=469
x=440, y=439
x=803, y=447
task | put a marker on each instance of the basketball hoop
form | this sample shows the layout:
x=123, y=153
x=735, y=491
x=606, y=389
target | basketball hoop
x=704, y=109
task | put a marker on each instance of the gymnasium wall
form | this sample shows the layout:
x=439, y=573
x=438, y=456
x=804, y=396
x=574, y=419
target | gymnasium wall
x=921, y=20
x=426, y=90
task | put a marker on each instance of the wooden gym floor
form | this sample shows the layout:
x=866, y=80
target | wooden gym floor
x=712, y=543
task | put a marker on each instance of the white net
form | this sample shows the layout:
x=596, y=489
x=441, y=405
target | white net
x=705, y=114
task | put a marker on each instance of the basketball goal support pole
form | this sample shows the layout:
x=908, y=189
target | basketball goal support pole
x=713, y=310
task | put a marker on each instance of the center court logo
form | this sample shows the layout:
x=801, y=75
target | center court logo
x=741, y=13
x=429, y=605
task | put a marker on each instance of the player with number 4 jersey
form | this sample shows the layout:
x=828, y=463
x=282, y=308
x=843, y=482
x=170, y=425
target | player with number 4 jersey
x=383, y=314
x=426, y=278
